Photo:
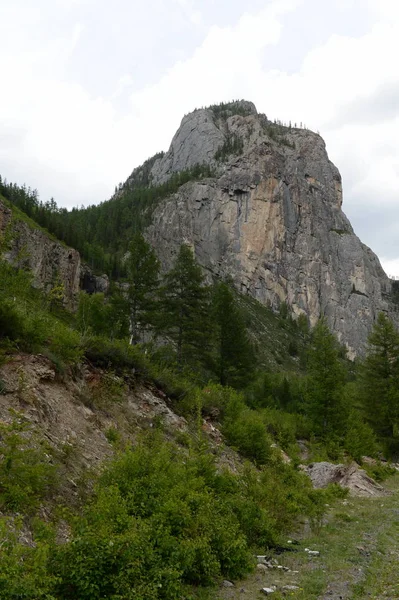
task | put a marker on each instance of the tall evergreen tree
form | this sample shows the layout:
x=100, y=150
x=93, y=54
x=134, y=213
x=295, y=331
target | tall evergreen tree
x=185, y=308
x=143, y=276
x=380, y=379
x=234, y=357
x=324, y=395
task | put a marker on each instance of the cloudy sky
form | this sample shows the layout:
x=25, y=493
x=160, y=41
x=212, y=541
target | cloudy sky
x=91, y=88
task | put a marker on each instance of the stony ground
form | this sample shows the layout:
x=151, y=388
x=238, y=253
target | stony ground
x=358, y=556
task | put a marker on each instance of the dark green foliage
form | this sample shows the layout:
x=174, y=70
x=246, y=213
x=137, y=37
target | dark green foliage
x=278, y=133
x=246, y=431
x=24, y=573
x=103, y=316
x=26, y=323
x=186, y=309
x=102, y=232
x=143, y=277
x=228, y=109
x=156, y=523
x=26, y=474
x=234, y=357
x=160, y=519
x=232, y=146
x=379, y=471
x=360, y=439
x=324, y=398
x=380, y=381
x=395, y=291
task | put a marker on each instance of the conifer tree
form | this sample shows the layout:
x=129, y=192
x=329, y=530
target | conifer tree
x=234, y=357
x=324, y=394
x=143, y=276
x=185, y=308
x=380, y=379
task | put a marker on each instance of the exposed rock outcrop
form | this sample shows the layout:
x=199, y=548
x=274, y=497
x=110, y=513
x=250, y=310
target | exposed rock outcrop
x=51, y=262
x=350, y=476
x=270, y=220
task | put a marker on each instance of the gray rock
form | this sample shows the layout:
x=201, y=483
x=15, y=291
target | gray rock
x=347, y=476
x=50, y=262
x=268, y=590
x=227, y=583
x=271, y=220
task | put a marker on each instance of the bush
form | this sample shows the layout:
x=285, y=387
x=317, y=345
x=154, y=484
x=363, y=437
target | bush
x=154, y=526
x=360, y=439
x=26, y=473
x=245, y=430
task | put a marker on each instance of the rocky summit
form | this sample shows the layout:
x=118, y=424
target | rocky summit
x=269, y=219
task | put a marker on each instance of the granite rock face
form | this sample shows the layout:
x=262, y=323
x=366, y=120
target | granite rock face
x=50, y=262
x=270, y=220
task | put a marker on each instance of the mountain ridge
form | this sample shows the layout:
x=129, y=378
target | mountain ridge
x=270, y=219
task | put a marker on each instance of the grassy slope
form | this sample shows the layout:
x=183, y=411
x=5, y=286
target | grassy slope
x=359, y=554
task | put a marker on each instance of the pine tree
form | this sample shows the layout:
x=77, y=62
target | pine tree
x=324, y=394
x=185, y=309
x=380, y=379
x=234, y=357
x=143, y=276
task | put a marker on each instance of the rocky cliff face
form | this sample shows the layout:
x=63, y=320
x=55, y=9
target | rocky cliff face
x=51, y=262
x=270, y=219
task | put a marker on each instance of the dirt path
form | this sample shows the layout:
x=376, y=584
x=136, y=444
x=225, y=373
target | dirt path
x=359, y=557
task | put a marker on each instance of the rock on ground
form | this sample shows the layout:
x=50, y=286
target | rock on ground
x=350, y=476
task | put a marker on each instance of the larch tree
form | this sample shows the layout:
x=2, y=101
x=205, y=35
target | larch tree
x=185, y=309
x=234, y=357
x=326, y=379
x=380, y=380
x=143, y=277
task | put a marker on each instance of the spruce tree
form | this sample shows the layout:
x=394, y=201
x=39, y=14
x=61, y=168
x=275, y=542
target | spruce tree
x=185, y=309
x=143, y=276
x=380, y=380
x=326, y=379
x=234, y=357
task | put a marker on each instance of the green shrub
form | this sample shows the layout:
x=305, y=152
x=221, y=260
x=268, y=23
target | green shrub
x=26, y=473
x=24, y=572
x=154, y=526
x=360, y=439
x=115, y=354
x=379, y=471
x=245, y=430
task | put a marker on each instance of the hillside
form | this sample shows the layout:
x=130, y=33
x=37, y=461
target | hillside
x=260, y=203
x=160, y=427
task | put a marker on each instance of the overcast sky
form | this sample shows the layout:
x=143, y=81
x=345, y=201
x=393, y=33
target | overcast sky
x=91, y=88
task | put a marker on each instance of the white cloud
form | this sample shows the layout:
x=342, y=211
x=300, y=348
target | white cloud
x=391, y=266
x=58, y=136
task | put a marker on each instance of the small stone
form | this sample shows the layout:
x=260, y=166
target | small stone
x=313, y=552
x=290, y=588
x=227, y=583
x=262, y=567
x=268, y=590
